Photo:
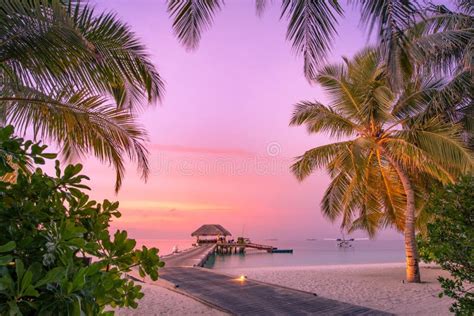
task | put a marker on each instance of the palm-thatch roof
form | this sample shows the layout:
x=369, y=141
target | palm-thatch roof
x=211, y=230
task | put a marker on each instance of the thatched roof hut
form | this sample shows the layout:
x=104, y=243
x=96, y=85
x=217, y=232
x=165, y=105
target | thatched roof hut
x=211, y=230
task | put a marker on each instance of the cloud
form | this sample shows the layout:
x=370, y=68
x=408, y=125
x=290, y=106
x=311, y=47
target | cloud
x=170, y=206
x=201, y=150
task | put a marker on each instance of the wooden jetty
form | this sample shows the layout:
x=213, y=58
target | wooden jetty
x=232, y=247
x=218, y=235
x=242, y=296
x=194, y=257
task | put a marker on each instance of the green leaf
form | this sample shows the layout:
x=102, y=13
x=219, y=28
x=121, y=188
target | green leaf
x=76, y=311
x=26, y=281
x=9, y=246
x=53, y=276
x=20, y=268
x=4, y=260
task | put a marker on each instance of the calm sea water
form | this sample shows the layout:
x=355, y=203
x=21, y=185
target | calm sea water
x=305, y=253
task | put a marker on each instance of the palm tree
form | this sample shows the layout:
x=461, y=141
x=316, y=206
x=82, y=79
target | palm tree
x=312, y=25
x=391, y=145
x=76, y=78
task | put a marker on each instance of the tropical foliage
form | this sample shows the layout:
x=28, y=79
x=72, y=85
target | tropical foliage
x=50, y=230
x=77, y=78
x=312, y=25
x=449, y=242
x=441, y=44
x=392, y=145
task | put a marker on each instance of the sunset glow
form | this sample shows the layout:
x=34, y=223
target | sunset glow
x=220, y=145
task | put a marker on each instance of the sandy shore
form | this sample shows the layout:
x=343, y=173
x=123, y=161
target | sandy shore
x=377, y=286
x=373, y=285
x=159, y=300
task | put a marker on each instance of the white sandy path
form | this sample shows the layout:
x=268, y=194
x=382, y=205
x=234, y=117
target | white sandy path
x=373, y=285
x=162, y=301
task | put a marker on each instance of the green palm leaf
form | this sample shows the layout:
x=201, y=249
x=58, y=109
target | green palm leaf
x=62, y=68
x=319, y=118
x=311, y=28
x=390, y=19
x=82, y=125
x=191, y=18
x=316, y=158
x=442, y=141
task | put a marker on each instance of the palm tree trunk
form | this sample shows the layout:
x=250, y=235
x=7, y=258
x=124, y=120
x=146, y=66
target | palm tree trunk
x=411, y=251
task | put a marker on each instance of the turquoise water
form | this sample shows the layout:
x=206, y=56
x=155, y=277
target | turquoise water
x=305, y=253
x=319, y=252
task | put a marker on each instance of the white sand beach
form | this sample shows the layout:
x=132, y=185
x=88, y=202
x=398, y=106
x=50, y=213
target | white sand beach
x=377, y=286
x=159, y=300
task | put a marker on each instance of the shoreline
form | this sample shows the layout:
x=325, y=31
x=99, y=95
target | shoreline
x=330, y=266
x=378, y=286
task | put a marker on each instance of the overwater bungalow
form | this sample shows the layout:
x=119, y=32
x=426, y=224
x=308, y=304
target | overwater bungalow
x=211, y=233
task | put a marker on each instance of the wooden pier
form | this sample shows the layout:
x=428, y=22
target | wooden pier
x=193, y=257
x=218, y=235
x=234, y=248
x=242, y=296
x=239, y=295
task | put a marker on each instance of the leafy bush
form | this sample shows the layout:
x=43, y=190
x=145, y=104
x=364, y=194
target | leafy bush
x=449, y=241
x=50, y=230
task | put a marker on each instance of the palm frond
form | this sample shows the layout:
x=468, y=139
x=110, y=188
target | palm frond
x=320, y=118
x=368, y=222
x=191, y=18
x=466, y=6
x=317, y=158
x=61, y=65
x=442, y=141
x=340, y=197
x=344, y=96
x=311, y=29
x=442, y=51
x=390, y=19
x=119, y=58
x=392, y=194
x=442, y=41
x=416, y=161
x=416, y=97
x=67, y=44
x=260, y=6
x=81, y=125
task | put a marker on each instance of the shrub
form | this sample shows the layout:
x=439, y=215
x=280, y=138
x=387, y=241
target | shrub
x=50, y=231
x=449, y=241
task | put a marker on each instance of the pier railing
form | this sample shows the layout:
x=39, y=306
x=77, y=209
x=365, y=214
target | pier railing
x=229, y=247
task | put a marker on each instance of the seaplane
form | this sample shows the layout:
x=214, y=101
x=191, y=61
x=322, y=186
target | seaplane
x=343, y=242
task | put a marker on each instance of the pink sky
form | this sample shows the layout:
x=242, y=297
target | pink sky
x=220, y=142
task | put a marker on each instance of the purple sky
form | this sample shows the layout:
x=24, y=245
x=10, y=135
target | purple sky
x=220, y=142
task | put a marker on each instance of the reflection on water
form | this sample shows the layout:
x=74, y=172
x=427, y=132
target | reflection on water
x=316, y=252
x=308, y=252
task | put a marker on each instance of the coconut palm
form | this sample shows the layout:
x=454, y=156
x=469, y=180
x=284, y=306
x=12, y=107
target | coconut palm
x=77, y=78
x=312, y=25
x=391, y=145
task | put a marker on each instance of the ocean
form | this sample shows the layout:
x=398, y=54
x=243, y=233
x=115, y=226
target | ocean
x=305, y=253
